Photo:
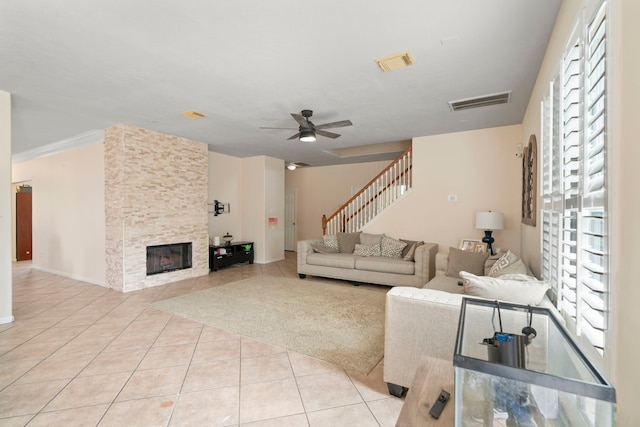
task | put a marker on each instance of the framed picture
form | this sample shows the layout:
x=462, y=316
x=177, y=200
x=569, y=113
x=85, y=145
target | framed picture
x=481, y=247
x=470, y=244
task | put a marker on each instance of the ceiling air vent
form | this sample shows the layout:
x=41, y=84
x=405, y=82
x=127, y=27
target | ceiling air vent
x=481, y=101
x=395, y=61
x=193, y=115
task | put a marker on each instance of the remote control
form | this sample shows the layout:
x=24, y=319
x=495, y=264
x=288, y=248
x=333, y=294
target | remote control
x=438, y=405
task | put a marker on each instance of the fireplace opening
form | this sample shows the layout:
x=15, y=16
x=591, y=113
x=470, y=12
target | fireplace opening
x=165, y=258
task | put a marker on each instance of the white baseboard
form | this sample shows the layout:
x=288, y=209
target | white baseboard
x=70, y=276
x=8, y=319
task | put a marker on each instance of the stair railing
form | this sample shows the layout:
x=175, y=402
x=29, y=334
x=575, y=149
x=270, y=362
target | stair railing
x=383, y=190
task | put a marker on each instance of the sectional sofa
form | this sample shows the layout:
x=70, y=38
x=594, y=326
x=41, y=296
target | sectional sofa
x=424, y=322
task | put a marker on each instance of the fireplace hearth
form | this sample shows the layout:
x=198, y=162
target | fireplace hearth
x=166, y=258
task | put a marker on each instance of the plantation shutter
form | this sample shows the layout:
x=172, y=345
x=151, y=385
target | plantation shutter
x=594, y=255
x=551, y=188
x=574, y=230
x=550, y=251
x=571, y=136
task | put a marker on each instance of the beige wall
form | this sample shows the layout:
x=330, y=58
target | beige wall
x=626, y=209
x=322, y=190
x=262, y=189
x=68, y=212
x=623, y=351
x=6, y=311
x=274, y=208
x=480, y=168
x=225, y=177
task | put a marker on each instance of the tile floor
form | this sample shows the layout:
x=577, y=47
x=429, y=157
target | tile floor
x=81, y=355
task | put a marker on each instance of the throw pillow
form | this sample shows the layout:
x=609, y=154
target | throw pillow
x=367, y=250
x=331, y=240
x=323, y=249
x=508, y=263
x=516, y=288
x=392, y=248
x=490, y=262
x=409, y=251
x=371, y=239
x=347, y=242
x=460, y=260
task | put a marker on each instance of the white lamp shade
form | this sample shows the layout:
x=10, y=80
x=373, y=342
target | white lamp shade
x=489, y=220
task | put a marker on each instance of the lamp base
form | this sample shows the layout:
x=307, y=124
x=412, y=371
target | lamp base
x=488, y=240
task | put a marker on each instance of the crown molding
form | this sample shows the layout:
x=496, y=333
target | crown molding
x=86, y=138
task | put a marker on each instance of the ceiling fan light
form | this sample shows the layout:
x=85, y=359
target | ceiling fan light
x=291, y=167
x=307, y=136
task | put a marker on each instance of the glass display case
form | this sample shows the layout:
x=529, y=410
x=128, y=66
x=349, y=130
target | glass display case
x=517, y=365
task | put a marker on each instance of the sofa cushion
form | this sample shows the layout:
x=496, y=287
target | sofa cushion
x=392, y=248
x=347, y=242
x=472, y=262
x=370, y=239
x=444, y=283
x=330, y=240
x=508, y=263
x=323, y=249
x=333, y=260
x=385, y=265
x=367, y=250
x=517, y=288
x=409, y=251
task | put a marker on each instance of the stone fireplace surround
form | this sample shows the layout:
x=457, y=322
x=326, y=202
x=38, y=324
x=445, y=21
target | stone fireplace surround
x=155, y=193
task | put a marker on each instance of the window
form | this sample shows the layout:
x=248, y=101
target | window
x=574, y=231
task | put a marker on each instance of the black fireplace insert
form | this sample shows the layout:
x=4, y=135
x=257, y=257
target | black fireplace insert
x=165, y=258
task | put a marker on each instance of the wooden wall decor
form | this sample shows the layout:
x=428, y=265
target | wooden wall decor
x=529, y=181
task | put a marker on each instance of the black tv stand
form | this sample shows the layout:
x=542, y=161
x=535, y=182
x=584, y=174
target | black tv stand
x=226, y=255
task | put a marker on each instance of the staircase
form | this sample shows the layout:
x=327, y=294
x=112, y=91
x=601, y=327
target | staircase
x=387, y=187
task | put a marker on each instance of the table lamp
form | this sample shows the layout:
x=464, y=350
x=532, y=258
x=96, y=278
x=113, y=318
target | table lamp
x=489, y=221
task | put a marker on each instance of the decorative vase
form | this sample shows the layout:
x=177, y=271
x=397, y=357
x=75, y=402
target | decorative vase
x=227, y=238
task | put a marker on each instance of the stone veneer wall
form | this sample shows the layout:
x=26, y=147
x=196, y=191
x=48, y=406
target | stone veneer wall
x=155, y=194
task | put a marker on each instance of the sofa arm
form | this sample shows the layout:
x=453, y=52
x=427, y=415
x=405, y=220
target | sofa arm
x=418, y=322
x=425, y=259
x=303, y=249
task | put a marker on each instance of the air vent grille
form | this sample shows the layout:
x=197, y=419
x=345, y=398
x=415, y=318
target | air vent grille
x=395, y=61
x=193, y=115
x=481, y=101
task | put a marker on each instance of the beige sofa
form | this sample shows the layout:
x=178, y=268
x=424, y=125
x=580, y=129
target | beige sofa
x=422, y=322
x=368, y=269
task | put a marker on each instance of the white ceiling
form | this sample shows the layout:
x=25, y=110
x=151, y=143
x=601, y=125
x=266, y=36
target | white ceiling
x=74, y=66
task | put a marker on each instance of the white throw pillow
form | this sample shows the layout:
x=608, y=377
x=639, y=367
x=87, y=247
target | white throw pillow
x=516, y=288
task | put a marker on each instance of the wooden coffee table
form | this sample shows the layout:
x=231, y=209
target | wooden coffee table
x=432, y=376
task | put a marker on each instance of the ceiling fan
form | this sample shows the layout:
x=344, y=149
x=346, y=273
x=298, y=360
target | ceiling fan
x=307, y=130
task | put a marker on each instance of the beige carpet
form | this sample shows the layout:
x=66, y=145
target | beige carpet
x=339, y=323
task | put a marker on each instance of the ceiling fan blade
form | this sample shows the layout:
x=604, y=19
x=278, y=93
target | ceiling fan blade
x=300, y=119
x=340, y=124
x=263, y=127
x=327, y=134
x=296, y=136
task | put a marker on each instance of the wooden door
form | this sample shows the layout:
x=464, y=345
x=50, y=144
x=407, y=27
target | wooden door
x=23, y=226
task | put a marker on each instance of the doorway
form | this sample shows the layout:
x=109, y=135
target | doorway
x=24, y=238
